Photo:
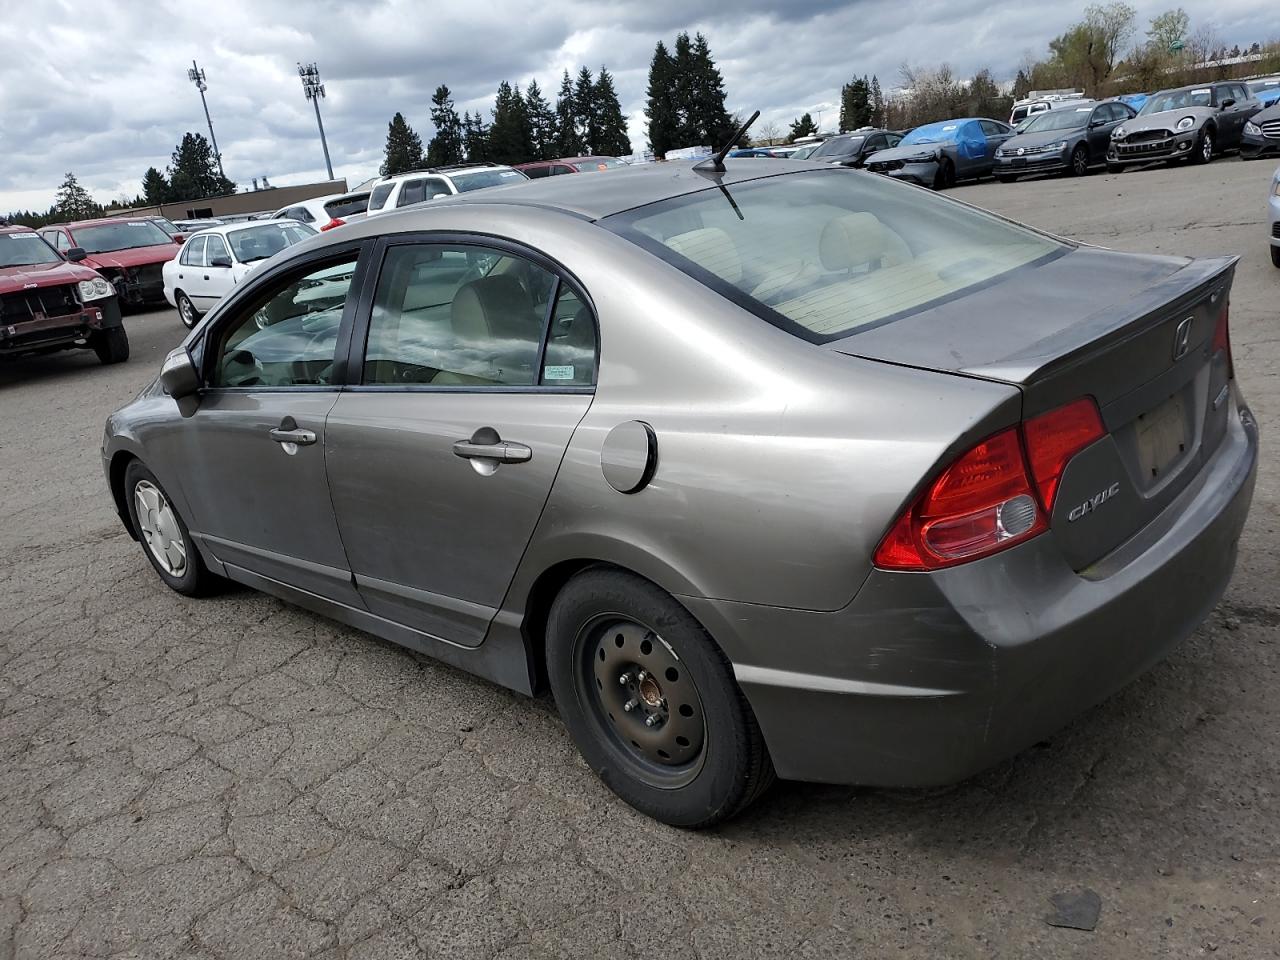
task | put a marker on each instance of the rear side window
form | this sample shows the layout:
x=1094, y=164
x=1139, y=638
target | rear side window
x=471, y=316
x=413, y=191
x=825, y=255
x=379, y=196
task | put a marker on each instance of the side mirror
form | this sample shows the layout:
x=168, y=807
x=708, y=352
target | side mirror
x=178, y=375
x=220, y=262
x=179, y=238
x=76, y=254
x=1229, y=102
x=438, y=196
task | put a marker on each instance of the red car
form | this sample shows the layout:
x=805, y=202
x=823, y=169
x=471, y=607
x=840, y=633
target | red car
x=554, y=168
x=128, y=251
x=48, y=304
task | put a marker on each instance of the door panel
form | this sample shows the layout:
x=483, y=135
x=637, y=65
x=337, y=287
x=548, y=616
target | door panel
x=257, y=505
x=434, y=541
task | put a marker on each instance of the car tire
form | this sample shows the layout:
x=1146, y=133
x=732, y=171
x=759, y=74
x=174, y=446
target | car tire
x=946, y=175
x=111, y=345
x=1004, y=179
x=1202, y=152
x=187, y=312
x=163, y=534
x=1079, y=165
x=1275, y=256
x=615, y=639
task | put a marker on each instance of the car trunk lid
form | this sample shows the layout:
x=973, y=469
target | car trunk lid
x=1135, y=333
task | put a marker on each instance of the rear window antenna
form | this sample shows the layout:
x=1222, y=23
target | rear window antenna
x=716, y=163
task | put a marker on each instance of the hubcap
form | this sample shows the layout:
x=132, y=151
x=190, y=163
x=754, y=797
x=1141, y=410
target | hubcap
x=644, y=699
x=1082, y=162
x=160, y=530
x=188, y=312
x=1208, y=147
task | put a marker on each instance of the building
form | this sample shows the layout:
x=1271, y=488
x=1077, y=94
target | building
x=231, y=204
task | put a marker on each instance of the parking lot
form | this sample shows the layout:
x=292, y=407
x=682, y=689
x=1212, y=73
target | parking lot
x=239, y=778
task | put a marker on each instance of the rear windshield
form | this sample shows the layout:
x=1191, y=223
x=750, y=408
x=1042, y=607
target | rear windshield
x=597, y=163
x=346, y=206
x=828, y=254
x=836, y=147
x=466, y=182
x=119, y=236
x=21, y=249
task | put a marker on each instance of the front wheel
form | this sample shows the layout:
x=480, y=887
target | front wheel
x=651, y=702
x=946, y=175
x=1079, y=161
x=111, y=345
x=1115, y=167
x=1275, y=256
x=186, y=310
x=163, y=534
x=1202, y=152
x=1005, y=179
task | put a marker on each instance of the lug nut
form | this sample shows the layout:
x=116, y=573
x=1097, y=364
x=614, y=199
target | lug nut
x=624, y=679
x=641, y=677
x=630, y=705
x=652, y=720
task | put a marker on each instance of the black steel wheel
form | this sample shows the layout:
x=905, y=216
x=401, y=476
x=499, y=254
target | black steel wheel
x=111, y=345
x=945, y=177
x=651, y=701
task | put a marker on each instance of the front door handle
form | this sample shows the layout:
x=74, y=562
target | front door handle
x=503, y=451
x=299, y=437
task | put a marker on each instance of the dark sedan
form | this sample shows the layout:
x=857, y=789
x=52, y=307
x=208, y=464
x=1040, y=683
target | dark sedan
x=1067, y=140
x=852, y=149
x=1261, y=136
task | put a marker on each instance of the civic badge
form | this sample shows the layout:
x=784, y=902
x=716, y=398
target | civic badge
x=1182, y=339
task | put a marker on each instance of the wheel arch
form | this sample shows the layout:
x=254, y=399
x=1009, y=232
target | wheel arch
x=116, y=468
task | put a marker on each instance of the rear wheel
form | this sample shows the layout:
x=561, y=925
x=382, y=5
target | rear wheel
x=651, y=702
x=1202, y=152
x=163, y=534
x=1275, y=256
x=1005, y=179
x=111, y=345
x=946, y=175
x=186, y=310
x=1079, y=161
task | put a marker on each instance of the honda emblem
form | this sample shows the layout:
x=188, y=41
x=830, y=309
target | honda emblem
x=1182, y=339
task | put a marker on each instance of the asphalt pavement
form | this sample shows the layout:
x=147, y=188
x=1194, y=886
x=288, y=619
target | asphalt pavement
x=238, y=778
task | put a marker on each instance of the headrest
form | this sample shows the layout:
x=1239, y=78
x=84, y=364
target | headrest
x=712, y=249
x=854, y=240
x=493, y=307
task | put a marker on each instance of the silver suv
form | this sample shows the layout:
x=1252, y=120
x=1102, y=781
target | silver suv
x=419, y=186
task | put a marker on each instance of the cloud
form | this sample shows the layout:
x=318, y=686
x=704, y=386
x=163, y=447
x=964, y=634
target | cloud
x=114, y=99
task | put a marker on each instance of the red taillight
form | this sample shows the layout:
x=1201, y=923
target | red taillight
x=986, y=500
x=335, y=222
x=1222, y=339
x=1055, y=437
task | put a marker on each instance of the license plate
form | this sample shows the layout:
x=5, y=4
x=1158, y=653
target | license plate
x=1019, y=163
x=1162, y=437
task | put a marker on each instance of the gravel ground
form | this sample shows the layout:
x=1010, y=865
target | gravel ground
x=238, y=778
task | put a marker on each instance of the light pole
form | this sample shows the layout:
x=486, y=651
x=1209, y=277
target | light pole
x=196, y=76
x=314, y=90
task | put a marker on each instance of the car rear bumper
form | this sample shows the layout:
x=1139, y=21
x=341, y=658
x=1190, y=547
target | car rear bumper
x=1179, y=145
x=926, y=679
x=41, y=334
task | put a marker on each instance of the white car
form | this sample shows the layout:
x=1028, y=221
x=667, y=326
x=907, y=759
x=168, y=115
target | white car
x=419, y=186
x=325, y=213
x=213, y=261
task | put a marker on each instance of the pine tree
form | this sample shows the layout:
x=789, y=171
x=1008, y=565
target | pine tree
x=542, y=122
x=877, y=103
x=404, y=148
x=446, y=146
x=193, y=171
x=609, y=120
x=707, y=112
x=476, y=137
x=688, y=133
x=73, y=201
x=804, y=127
x=584, y=112
x=155, y=188
x=568, y=143
x=659, y=105
x=509, y=134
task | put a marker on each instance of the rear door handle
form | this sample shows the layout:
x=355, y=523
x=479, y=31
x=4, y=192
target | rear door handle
x=502, y=451
x=299, y=437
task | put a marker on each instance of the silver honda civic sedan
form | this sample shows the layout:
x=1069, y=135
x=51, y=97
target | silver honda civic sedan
x=786, y=470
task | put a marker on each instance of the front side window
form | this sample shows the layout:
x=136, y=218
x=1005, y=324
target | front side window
x=460, y=315
x=215, y=248
x=22, y=249
x=62, y=241
x=824, y=255
x=193, y=252
x=106, y=237
x=287, y=336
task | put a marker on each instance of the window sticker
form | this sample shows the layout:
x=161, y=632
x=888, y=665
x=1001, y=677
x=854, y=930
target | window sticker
x=949, y=127
x=509, y=173
x=25, y=236
x=1199, y=93
x=558, y=372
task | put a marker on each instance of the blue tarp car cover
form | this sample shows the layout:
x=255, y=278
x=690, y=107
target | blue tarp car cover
x=967, y=135
x=1135, y=100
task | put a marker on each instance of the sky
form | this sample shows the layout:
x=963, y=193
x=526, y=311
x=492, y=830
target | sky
x=115, y=98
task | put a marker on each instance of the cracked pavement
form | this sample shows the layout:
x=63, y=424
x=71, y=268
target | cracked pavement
x=238, y=778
